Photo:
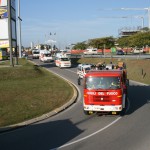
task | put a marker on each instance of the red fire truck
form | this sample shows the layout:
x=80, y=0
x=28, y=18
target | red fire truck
x=105, y=91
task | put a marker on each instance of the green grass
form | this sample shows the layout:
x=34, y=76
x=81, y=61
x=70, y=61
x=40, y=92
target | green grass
x=28, y=91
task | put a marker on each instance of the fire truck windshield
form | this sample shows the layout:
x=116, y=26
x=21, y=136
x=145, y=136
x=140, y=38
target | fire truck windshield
x=102, y=83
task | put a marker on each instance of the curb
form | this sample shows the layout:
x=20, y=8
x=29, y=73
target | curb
x=47, y=115
x=139, y=83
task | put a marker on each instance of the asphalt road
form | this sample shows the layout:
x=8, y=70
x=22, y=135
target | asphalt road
x=72, y=130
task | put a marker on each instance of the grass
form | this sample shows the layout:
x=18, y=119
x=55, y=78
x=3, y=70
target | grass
x=29, y=91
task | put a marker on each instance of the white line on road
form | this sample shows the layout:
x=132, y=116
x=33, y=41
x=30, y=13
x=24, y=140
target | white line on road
x=86, y=137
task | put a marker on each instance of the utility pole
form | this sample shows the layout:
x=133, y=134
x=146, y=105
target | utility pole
x=19, y=30
x=10, y=33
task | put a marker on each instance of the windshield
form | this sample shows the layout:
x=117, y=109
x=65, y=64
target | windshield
x=36, y=52
x=87, y=69
x=64, y=59
x=47, y=55
x=102, y=83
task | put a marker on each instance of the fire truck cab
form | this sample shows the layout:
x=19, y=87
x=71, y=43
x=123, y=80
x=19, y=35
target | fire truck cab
x=105, y=91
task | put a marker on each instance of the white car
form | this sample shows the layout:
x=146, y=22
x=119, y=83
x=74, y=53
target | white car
x=90, y=51
x=62, y=62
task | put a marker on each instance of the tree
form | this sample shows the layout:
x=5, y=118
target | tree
x=137, y=40
x=100, y=42
x=81, y=46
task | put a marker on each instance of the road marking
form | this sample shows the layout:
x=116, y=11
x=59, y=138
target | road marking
x=71, y=71
x=90, y=135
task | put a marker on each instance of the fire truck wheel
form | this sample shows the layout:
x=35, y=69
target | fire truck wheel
x=122, y=113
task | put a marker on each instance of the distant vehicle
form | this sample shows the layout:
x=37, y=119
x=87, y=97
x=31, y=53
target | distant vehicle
x=62, y=62
x=63, y=54
x=45, y=56
x=35, y=53
x=137, y=50
x=24, y=54
x=67, y=54
x=63, y=50
x=90, y=51
x=82, y=69
x=119, y=52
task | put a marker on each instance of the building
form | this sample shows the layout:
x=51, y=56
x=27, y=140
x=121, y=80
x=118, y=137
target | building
x=128, y=31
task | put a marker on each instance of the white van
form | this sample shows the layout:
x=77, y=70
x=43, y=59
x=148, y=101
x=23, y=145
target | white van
x=45, y=56
x=35, y=53
x=62, y=62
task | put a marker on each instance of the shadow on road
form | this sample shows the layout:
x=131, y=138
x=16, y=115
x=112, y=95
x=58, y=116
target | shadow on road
x=138, y=96
x=43, y=136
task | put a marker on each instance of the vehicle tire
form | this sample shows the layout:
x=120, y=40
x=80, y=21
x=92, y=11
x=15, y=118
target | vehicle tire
x=122, y=113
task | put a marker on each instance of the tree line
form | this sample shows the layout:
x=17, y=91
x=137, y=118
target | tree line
x=140, y=39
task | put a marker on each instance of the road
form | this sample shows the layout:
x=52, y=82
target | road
x=72, y=130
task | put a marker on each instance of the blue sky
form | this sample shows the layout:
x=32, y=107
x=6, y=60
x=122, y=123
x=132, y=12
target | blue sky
x=77, y=20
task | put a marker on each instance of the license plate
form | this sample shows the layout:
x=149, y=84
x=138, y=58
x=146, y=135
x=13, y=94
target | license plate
x=114, y=113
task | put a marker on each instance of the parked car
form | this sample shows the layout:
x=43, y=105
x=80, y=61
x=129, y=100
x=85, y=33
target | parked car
x=90, y=51
x=137, y=50
x=119, y=52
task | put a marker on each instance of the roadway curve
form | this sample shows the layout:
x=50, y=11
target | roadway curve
x=72, y=130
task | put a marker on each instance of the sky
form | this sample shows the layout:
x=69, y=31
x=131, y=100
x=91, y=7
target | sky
x=65, y=22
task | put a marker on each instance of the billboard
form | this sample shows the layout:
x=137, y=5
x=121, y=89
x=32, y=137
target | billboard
x=4, y=27
x=3, y=3
x=4, y=43
x=3, y=12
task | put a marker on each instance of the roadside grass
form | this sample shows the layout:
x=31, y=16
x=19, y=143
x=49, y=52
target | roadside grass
x=28, y=91
x=137, y=69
